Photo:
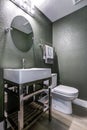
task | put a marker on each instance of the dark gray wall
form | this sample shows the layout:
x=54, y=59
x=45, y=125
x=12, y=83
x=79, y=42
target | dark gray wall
x=70, y=42
x=10, y=56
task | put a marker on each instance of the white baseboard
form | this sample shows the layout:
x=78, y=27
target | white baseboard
x=80, y=102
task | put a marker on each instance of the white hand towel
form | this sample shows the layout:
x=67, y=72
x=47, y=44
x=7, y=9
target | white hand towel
x=49, y=52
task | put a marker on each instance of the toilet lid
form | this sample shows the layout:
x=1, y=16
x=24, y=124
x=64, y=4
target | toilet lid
x=62, y=89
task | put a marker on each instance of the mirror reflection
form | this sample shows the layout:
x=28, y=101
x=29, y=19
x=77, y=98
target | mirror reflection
x=22, y=33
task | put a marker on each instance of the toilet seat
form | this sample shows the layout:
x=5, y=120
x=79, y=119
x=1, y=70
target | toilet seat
x=66, y=90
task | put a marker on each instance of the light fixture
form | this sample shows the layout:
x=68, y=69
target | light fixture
x=32, y=8
x=25, y=5
x=76, y=1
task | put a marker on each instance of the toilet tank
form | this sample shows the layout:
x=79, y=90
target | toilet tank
x=54, y=80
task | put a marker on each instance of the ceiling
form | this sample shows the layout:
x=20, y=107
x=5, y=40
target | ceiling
x=56, y=9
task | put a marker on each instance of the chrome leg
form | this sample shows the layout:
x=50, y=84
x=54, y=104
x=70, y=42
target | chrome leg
x=34, y=91
x=20, y=112
x=50, y=103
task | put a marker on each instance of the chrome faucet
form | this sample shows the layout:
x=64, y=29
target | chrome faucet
x=23, y=63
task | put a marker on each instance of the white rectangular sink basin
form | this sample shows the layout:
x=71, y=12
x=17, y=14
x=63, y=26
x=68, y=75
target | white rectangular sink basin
x=21, y=76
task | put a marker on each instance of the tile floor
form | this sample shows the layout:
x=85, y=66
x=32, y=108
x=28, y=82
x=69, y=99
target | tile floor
x=44, y=124
x=76, y=121
x=60, y=121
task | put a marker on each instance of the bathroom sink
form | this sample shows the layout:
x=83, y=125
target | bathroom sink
x=21, y=76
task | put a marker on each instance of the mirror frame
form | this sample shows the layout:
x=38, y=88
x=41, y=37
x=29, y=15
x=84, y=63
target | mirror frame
x=22, y=33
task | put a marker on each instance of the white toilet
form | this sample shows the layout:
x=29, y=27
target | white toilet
x=62, y=96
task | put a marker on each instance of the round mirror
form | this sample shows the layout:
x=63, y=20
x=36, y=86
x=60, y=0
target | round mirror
x=22, y=33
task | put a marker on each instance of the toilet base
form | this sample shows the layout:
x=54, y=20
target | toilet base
x=62, y=105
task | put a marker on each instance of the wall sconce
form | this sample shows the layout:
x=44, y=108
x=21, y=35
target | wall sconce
x=8, y=29
x=76, y=1
x=26, y=5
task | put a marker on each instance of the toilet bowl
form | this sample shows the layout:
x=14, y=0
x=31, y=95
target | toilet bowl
x=62, y=96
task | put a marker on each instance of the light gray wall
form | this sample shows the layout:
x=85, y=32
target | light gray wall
x=70, y=42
